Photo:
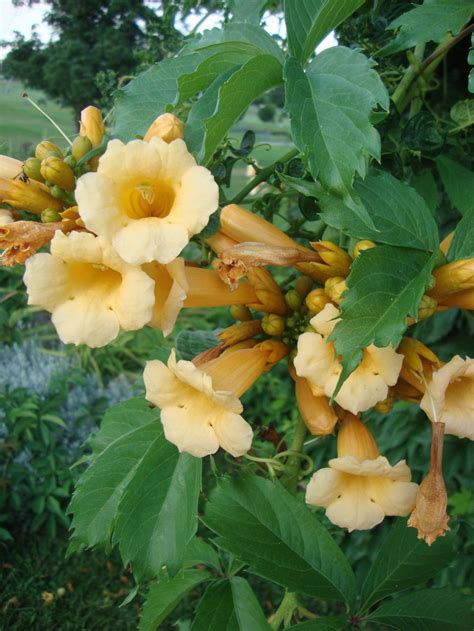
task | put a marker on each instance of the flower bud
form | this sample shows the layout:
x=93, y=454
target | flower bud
x=32, y=169
x=316, y=300
x=30, y=196
x=333, y=261
x=303, y=285
x=44, y=148
x=417, y=358
x=49, y=215
x=168, y=127
x=273, y=324
x=430, y=517
x=57, y=192
x=80, y=147
x=293, y=299
x=461, y=300
x=240, y=332
x=56, y=171
x=446, y=242
x=270, y=298
x=92, y=125
x=361, y=246
x=335, y=288
x=427, y=307
x=277, y=350
x=240, y=312
x=452, y=278
x=70, y=161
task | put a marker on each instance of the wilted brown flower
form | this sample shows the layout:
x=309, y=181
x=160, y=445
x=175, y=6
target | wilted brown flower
x=21, y=239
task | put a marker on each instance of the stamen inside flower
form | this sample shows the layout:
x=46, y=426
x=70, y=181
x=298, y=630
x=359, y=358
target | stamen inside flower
x=148, y=199
x=92, y=278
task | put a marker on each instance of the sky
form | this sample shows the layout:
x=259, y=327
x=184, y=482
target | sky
x=23, y=19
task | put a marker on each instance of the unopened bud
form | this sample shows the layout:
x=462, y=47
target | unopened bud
x=278, y=350
x=427, y=307
x=361, y=246
x=293, y=299
x=452, y=278
x=270, y=297
x=49, y=215
x=32, y=169
x=57, y=192
x=240, y=312
x=273, y=324
x=240, y=332
x=316, y=300
x=45, y=148
x=80, y=147
x=335, y=288
x=56, y=171
x=92, y=125
x=303, y=285
x=168, y=127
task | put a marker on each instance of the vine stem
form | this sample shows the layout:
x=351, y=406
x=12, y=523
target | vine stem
x=404, y=93
x=287, y=606
x=262, y=175
x=289, y=479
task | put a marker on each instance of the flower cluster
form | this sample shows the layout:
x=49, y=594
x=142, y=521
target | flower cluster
x=117, y=218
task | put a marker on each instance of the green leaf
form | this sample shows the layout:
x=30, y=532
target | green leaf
x=385, y=286
x=462, y=245
x=403, y=561
x=320, y=624
x=165, y=595
x=462, y=113
x=399, y=214
x=432, y=609
x=430, y=21
x=425, y=185
x=166, y=85
x=129, y=428
x=229, y=605
x=157, y=514
x=248, y=10
x=458, y=182
x=330, y=105
x=224, y=102
x=200, y=552
x=309, y=21
x=275, y=533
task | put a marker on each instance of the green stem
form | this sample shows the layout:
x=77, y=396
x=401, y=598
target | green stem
x=289, y=479
x=286, y=608
x=261, y=176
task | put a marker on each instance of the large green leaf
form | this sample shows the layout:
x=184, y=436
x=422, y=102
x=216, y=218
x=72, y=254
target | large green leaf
x=458, y=182
x=137, y=491
x=385, y=286
x=275, y=533
x=247, y=10
x=165, y=595
x=157, y=514
x=430, y=21
x=198, y=552
x=226, y=100
x=399, y=214
x=462, y=245
x=229, y=605
x=403, y=561
x=129, y=428
x=309, y=21
x=170, y=82
x=330, y=105
x=442, y=609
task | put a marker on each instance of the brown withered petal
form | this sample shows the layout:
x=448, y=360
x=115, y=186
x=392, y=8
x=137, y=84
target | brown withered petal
x=429, y=516
x=21, y=239
x=235, y=261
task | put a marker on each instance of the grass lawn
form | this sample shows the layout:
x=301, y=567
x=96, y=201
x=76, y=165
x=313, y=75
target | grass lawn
x=22, y=126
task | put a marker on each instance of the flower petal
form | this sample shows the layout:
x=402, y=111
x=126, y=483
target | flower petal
x=150, y=239
x=85, y=320
x=233, y=433
x=324, y=487
x=190, y=432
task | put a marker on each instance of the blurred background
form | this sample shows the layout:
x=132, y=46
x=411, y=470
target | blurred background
x=67, y=54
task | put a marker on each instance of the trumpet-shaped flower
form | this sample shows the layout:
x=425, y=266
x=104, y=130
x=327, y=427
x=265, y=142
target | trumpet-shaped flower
x=30, y=196
x=317, y=361
x=89, y=290
x=10, y=167
x=449, y=397
x=360, y=487
x=147, y=198
x=200, y=407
